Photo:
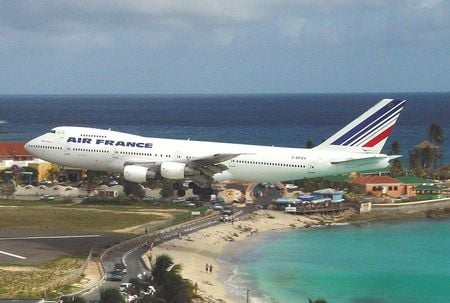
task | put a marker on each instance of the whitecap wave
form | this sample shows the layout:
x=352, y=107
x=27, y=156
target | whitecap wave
x=3, y=121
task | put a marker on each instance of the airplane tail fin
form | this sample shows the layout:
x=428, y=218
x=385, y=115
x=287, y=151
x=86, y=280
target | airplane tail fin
x=367, y=133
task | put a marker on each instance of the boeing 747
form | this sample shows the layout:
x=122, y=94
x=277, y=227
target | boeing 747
x=356, y=147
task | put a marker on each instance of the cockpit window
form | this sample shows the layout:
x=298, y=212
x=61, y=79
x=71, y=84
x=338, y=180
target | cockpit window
x=53, y=131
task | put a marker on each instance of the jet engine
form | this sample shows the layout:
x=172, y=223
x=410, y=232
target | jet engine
x=138, y=174
x=176, y=170
x=168, y=170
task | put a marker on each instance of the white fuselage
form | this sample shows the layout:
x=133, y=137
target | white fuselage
x=106, y=150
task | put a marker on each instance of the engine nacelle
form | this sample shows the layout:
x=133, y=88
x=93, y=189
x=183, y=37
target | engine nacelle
x=177, y=171
x=138, y=174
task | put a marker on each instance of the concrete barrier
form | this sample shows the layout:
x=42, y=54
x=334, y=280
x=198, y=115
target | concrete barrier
x=411, y=207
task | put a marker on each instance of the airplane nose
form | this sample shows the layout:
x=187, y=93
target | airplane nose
x=27, y=146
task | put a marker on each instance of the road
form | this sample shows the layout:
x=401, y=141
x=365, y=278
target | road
x=133, y=250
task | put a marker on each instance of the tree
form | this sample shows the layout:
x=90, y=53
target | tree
x=310, y=144
x=396, y=165
x=132, y=188
x=317, y=301
x=436, y=134
x=111, y=295
x=166, y=188
x=52, y=173
x=170, y=285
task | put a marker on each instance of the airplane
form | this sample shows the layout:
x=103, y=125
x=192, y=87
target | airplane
x=356, y=147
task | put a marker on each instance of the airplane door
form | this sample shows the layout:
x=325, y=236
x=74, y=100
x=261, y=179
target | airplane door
x=115, y=154
x=67, y=150
x=311, y=166
x=232, y=163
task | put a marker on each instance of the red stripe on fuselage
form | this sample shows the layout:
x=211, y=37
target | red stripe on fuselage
x=380, y=137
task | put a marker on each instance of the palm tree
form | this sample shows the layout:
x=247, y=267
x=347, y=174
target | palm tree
x=396, y=166
x=170, y=286
x=436, y=134
x=310, y=144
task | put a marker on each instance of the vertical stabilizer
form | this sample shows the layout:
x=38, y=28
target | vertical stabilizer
x=369, y=132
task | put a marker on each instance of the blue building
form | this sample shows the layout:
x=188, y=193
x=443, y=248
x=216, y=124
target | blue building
x=328, y=193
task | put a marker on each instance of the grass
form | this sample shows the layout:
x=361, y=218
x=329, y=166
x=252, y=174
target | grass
x=71, y=219
x=13, y=202
x=27, y=282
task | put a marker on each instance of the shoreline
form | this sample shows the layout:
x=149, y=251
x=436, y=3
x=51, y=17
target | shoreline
x=207, y=246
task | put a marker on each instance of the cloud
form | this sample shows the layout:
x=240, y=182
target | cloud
x=91, y=24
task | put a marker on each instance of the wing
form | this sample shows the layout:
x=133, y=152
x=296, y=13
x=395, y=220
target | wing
x=210, y=165
x=140, y=162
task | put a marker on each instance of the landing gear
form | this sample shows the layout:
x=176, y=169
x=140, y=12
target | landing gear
x=204, y=192
x=177, y=186
x=181, y=192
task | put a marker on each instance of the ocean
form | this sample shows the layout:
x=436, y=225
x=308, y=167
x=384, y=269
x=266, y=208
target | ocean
x=381, y=262
x=280, y=120
x=367, y=263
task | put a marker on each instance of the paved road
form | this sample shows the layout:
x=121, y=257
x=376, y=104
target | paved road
x=136, y=248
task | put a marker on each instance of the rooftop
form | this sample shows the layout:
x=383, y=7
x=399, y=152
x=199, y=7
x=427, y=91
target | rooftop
x=13, y=149
x=413, y=180
x=376, y=180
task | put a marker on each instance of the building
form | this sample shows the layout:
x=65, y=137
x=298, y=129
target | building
x=14, y=151
x=379, y=185
x=14, y=154
x=429, y=191
x=411, y=182
x=328, y=193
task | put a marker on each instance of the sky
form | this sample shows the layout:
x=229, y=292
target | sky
x=224, y=47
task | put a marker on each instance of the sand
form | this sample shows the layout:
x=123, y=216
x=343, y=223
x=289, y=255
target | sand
x=196, y=250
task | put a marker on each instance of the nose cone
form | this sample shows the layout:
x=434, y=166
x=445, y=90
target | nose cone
x=27, y=146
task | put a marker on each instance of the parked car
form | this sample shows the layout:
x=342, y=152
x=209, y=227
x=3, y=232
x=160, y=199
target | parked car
x=149, y=291
x=290, y=186
x=47, y=197
x=124, y=286
x=226, y=218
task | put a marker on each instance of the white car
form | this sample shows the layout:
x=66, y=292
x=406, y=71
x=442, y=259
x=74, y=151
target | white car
x=290, y=186
x=47, y=197
x=149, y=291
x=124, y=286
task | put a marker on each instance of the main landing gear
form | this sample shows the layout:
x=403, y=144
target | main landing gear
x=204, y=192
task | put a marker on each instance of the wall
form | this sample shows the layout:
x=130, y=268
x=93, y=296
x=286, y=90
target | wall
x=411, y=207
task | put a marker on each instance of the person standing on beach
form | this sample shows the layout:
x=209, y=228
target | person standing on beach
x=210, y=268
x=207, y=267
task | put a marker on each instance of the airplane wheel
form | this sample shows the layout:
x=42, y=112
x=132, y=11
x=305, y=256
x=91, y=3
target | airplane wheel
x=176, y=186
x=196, y=190
x=192, y=185
x=181, y=193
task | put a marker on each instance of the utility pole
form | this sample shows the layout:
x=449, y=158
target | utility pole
x=248, y=290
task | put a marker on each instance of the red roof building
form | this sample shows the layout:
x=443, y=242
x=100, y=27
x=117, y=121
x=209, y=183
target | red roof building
x=380, y=185
x=14, y=151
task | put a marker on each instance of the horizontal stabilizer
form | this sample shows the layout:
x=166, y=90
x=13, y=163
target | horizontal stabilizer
x=359, y=161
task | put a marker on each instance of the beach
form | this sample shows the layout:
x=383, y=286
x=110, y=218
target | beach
x=196, y=250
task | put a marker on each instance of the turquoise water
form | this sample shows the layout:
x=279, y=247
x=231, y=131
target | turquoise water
x=407, y=261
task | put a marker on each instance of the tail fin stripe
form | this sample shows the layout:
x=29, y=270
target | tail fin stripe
x=376, y=129
x=373, y=127
x=380, y=137
x=376, y=118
